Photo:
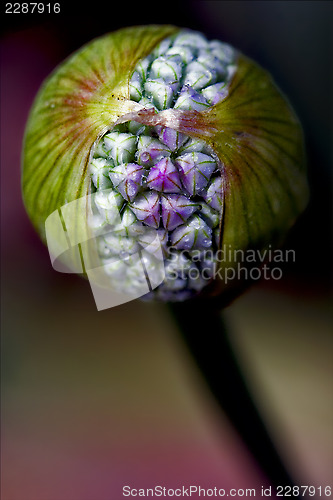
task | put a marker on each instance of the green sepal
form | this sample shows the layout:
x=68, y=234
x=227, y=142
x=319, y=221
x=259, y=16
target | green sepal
x=260, y=141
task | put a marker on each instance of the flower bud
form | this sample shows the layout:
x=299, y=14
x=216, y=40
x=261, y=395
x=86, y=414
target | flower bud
x=151, y=149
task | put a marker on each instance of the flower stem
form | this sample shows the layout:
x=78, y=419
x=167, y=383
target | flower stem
x=203, y=331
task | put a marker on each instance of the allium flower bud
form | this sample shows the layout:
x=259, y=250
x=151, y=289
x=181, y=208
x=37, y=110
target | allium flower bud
x=155, y=145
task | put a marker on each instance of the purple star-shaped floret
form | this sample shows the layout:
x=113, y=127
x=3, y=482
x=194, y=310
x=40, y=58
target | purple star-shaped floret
x=172, y=138
x=176, y=209
x=147, y=208
x=164, y=176
x=127, y=178
x=214, y=196
x=195, y=234
x=195, y=171
x=150, y=151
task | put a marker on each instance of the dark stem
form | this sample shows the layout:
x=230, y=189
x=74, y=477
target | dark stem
x=201, y=326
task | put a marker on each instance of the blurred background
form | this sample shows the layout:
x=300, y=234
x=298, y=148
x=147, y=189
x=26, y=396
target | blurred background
x=93, y=401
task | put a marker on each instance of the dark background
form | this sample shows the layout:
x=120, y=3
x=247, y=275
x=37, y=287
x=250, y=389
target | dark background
x=96, y=400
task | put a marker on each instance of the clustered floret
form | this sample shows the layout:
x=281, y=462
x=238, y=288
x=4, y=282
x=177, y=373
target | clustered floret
x=155, y=181
x=186, y=72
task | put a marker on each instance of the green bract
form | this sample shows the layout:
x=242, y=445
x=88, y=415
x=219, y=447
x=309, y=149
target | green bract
x=97, y=125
